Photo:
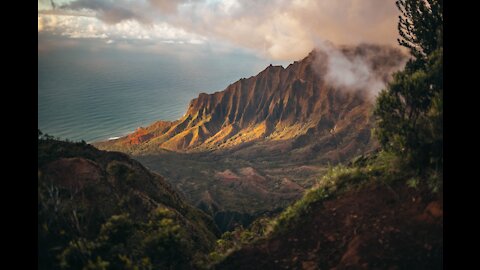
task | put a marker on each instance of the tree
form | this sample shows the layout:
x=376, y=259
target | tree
x=420, y=26
x=409, y=112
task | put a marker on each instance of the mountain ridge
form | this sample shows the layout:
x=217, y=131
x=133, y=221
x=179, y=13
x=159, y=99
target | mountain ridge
x=291, y=105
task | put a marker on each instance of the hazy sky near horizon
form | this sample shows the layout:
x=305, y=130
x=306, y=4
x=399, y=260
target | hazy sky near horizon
x=277, y=29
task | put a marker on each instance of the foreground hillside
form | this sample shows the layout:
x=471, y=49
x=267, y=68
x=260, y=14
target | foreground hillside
x=103, y=210
x=362, y=217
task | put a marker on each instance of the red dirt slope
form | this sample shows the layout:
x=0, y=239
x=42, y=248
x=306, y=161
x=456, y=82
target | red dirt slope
x=378, y=227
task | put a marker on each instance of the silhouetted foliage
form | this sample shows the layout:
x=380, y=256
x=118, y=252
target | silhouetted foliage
x=410, y=111
x=420, y=26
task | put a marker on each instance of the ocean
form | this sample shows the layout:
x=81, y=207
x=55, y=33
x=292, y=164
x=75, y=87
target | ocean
x=94, y=96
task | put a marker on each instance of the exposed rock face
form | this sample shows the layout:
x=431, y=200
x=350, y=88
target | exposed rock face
x=295, y=105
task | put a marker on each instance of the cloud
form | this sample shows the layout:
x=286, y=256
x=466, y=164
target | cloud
x=167, y=6
x=278, y=29
x=365, y=67
x=288, y=30
x=125, y=35
x=110, y=12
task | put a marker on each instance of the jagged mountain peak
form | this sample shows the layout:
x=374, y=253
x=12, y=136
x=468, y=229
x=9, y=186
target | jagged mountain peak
x=297, y=105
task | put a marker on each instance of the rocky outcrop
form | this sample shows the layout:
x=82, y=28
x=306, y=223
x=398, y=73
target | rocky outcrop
x=296, y=105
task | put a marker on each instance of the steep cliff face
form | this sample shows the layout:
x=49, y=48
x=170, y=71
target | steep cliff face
x=296, y=106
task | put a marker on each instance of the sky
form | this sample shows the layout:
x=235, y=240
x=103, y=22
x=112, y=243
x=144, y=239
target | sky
x=283, y=30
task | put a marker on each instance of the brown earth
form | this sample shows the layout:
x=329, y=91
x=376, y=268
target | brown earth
x=74, y=173
x=378, y=227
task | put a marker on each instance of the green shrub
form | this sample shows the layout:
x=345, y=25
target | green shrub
x=413, y=182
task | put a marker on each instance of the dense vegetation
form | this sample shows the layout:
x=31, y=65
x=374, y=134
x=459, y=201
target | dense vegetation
x=102, y=210
x=409, y=111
